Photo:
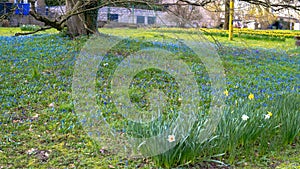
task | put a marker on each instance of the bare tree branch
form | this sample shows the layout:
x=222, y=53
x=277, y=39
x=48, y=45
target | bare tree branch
x=48, y=22
x=33, y=32
x=276, y=6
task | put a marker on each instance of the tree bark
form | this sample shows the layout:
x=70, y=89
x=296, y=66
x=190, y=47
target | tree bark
x=84, y=23
x=91, y=17
x=227, y=15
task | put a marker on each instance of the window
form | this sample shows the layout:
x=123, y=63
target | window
x=2, y=11
x=140, y=20
x=21, y=1
x=113, y=17
x=151, y=20
x=22, y=8
x=166, y=7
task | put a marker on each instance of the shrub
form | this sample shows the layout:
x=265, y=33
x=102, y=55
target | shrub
x=29, y=27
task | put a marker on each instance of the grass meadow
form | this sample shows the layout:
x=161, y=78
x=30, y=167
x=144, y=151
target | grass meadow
x=259, y=125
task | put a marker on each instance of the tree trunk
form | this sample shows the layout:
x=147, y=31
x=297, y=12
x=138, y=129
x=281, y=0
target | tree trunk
x=227, y=15
x=84, y=23
x=91, y=17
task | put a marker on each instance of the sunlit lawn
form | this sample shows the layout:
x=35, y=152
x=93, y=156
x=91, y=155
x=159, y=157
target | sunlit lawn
x=289, y=44
x=39, y=129
x=285, y=45
x=14, y=30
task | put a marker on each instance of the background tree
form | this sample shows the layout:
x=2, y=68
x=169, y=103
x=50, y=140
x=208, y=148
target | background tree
x=183, y=15
x=261, y=9
x=215, y=11
x=261, y=15
x=227, y=14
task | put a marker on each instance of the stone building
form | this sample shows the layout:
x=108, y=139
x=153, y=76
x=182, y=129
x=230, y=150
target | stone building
x=133, y=16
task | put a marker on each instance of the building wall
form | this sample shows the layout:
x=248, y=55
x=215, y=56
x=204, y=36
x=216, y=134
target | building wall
x=19, y=20
x=25, y=18
x=39, y=3
x=130, y=15
x=125, y=15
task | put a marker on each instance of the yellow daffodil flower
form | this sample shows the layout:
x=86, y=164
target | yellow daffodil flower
x=251, y=96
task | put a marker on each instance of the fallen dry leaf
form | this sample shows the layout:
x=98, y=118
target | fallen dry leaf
x=51, y=105
x=111, y=166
